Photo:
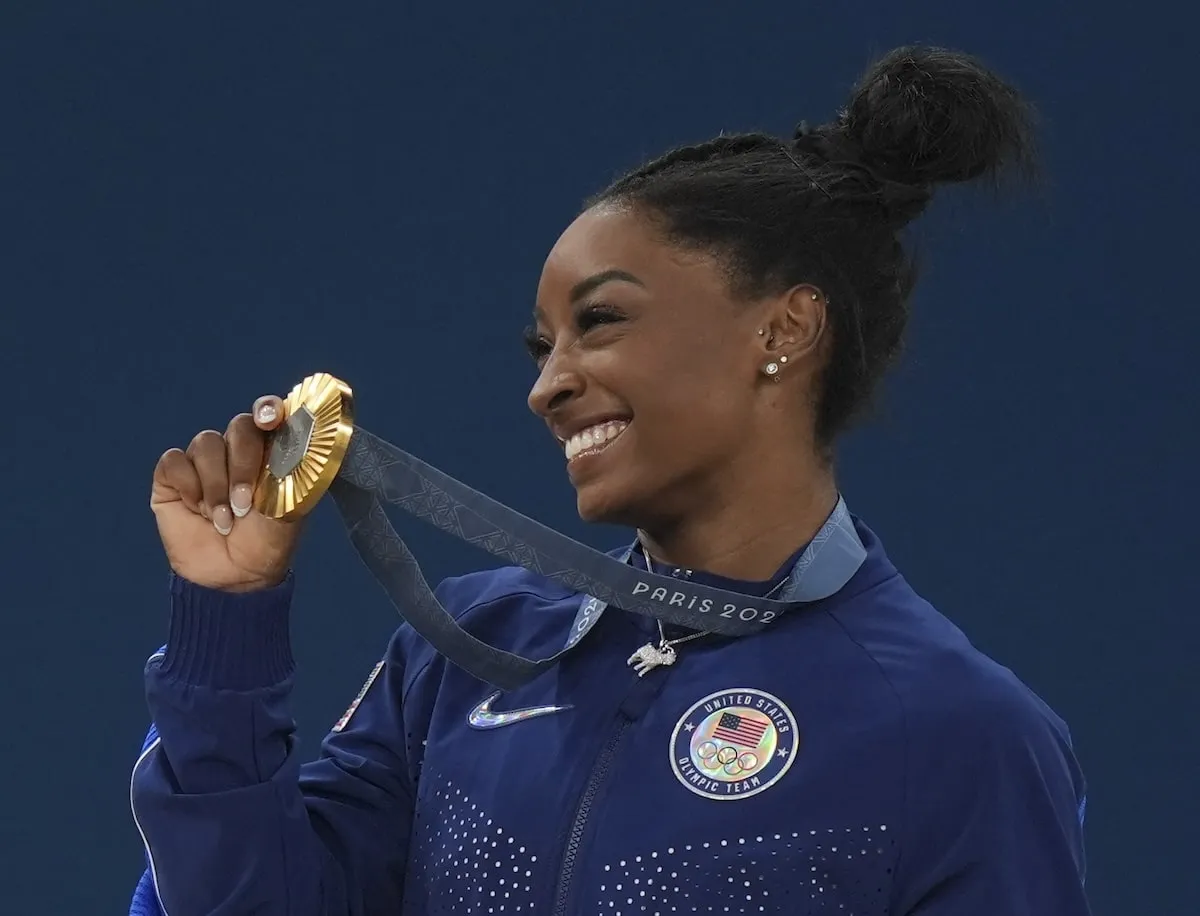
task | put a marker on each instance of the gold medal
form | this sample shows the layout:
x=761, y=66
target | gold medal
x=305, y=454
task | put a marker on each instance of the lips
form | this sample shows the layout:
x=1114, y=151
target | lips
x=593, y=439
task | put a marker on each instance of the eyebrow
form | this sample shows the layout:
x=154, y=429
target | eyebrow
x=594, y=282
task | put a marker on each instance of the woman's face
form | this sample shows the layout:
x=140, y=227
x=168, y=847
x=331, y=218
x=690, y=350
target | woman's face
x=649, y=370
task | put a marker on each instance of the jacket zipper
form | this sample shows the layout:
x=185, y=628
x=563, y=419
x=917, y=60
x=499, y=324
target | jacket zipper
x=595, y=781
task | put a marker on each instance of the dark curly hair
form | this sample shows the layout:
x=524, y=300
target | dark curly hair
x=827, y=206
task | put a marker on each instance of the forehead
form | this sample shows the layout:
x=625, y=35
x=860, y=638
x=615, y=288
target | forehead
x=605, y=238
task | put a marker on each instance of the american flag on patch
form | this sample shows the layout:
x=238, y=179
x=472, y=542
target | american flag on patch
x=740, y=730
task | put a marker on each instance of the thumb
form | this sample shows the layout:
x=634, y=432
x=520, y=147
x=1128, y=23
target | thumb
x=268, y=412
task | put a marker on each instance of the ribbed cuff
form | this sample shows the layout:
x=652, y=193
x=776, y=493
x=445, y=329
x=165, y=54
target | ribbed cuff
x=231, y=641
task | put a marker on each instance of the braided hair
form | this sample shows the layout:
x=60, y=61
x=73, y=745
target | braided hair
x=827, y=206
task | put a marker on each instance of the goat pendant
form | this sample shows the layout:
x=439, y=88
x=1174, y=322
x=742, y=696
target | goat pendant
x=650, y=656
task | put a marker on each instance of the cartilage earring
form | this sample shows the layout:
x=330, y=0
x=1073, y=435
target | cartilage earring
x=761, y=332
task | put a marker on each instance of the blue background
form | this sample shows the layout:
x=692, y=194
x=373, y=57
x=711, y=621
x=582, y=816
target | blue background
x=205, y=202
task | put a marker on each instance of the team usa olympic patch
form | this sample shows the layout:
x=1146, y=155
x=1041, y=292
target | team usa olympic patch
x=734, y=744
x=345, y=719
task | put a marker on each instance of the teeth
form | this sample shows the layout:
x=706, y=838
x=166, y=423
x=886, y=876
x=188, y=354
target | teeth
x=593, y=438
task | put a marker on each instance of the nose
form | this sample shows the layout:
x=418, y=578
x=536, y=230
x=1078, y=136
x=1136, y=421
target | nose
x=557, y=384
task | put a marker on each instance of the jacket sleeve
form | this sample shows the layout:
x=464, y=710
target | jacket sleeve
x=995, y=816
x=145, y=901
x=231, y=822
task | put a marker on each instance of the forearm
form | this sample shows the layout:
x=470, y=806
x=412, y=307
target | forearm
x=216, y=796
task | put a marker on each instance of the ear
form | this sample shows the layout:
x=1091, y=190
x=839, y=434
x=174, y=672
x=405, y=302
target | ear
x=794, y=325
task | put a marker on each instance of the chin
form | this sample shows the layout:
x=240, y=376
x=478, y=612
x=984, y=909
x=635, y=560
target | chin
x=614, y=487
x=605, y=503
x=598, y=508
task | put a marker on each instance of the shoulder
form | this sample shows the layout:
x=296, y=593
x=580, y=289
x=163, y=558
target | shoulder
x=470, y=595
x=912, y=658
x=975, y=736
x=509, y=608
x=953, y=698
x=484, y=593
x=988, y=768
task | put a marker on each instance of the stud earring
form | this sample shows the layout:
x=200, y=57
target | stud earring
x=783, y=359
x=771, y=368
x=761, y=332
x=815, y=297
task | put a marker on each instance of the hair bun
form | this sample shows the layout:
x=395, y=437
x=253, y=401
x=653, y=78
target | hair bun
x=920, y=116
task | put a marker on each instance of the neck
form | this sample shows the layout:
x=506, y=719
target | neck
x=749, y=534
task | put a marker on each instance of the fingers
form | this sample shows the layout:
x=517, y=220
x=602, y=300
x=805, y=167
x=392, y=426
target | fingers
x=216, y=475
x=244, y=443
x=175, y=471
x=207, y=454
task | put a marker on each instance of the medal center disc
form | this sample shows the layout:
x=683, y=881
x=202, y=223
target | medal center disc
x=290, y=443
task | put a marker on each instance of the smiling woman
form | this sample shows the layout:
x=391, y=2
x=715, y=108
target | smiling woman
x=704, y=330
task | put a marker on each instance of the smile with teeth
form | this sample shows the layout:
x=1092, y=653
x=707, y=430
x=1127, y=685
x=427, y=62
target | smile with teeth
x=593, y=439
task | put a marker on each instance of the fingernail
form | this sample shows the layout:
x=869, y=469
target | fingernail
x=266, y=413
x=239, y=499
x=222, y=519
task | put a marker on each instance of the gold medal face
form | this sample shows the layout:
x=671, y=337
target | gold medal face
x=306, y=452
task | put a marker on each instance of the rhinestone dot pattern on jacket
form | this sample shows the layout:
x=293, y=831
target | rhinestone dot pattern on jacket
x=799, y=873
x=762, y=874
x=470, y=864
x=463, y=862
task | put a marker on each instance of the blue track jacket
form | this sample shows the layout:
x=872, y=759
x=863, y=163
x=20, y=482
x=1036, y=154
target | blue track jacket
x=859, y=757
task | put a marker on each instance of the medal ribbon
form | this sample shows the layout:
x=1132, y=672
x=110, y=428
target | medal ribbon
x=375, y=473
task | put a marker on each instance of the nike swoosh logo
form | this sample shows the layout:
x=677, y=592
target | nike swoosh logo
x=482, y=717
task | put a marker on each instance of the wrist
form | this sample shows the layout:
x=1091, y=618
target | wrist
x=256, y=585
x=243, y=585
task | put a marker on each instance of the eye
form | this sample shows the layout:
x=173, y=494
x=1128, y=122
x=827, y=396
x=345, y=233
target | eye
x=537, y=345
x=591, y=316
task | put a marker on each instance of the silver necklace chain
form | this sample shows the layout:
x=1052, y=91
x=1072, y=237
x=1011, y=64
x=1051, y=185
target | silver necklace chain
x=650, y=656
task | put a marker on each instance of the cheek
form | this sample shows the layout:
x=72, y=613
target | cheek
x=698, y=379
x=689, y=386
x=703, y=412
